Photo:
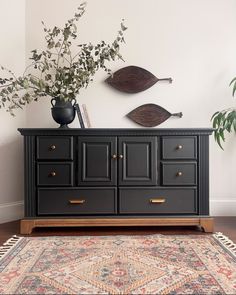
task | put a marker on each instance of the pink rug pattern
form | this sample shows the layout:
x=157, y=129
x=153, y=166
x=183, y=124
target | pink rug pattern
x=150, y=264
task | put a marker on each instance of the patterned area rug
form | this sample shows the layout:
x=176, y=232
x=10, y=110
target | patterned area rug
x=155, y=264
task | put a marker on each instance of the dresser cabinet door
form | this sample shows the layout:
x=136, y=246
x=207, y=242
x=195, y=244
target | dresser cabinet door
x=137, y=160
x=97, y=162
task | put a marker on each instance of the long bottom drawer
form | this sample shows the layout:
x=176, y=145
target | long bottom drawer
x=158, y=201
x=76, y=201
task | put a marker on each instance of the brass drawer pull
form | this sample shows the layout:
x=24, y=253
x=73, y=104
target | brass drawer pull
x=179, y=173
x=52, y=147
x=179, y=147
x=157, y=201
x=52, y=174
x=76, y=201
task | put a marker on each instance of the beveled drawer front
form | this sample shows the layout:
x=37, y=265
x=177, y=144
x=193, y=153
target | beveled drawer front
x=178, y=147
x=179, y=173
x=56, y=174
x=157, y=201
x=57, y=148
x=76, y=201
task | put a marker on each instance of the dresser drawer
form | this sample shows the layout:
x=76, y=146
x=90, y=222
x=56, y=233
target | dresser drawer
x=53, y=201
x=56, y=174
x=179, y=173
x=158, y=201
x=57, y=148
x=178, y=147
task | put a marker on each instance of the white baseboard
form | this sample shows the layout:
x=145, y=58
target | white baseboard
x=223, y=207
x=11, y=211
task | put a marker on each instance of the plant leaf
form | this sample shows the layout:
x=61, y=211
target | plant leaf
x=234, y=79
x=234, y=88
x=214, y=115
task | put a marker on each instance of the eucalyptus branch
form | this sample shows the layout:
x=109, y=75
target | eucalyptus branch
x=59, y=55
x=70, y=57
x=29, y=66
x=56, y=72
x=6, y=85
x=77, y=54
x=9, y=71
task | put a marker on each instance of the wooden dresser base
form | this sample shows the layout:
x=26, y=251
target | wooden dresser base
x=27, y=225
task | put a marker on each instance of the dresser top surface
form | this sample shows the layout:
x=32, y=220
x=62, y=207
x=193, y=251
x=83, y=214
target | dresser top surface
x=116, y=131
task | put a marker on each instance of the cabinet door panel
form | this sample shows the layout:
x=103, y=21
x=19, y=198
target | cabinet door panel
x=96, y=165
x=137, y=160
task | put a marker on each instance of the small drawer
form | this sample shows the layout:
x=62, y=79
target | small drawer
x=158, y=201
x=179, y=173
x=178, y=147
x=76, y=201
x=56, y=174
x=55, y=148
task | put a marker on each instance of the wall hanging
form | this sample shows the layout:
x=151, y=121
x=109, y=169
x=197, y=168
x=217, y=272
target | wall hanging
x=151, y=115
x=133, y=79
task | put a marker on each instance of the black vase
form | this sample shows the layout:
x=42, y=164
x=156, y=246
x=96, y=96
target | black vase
x=63, y=112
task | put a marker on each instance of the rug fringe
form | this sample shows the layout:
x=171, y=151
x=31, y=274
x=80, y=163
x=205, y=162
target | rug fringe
x=226, y=242
x=8, y=245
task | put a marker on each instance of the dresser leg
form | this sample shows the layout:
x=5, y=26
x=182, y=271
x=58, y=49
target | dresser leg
x=207, y=224
x=26, y=226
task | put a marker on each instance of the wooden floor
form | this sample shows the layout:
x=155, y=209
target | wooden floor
x=226, y=225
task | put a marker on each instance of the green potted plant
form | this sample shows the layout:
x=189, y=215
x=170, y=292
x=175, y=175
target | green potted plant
x=225, y=120
x=59, y=71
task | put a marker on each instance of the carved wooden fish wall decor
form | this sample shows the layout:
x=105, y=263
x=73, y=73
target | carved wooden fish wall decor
x=133, y=79
x=151, y=115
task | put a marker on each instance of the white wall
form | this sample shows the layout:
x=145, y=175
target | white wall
x=192, y=41
x=12, y=56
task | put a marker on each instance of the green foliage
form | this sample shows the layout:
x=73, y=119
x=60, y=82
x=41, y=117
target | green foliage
x=233, y=82
x=56, y=71
x=224, y=121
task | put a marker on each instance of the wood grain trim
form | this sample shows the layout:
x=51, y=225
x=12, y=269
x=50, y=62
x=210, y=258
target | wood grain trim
x=207, y=224
x=28, y=224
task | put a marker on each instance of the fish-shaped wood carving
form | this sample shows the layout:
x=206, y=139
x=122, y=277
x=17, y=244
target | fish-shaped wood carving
x=133, y=79
x=150, y=115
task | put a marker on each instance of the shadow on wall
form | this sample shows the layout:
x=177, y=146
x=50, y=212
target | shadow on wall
x=11, y=180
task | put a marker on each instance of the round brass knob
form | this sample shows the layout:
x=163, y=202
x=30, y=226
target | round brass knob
x=114, y=156
x=179, y=147
x=52, y=147
x=52, y=174
x=179, y=173
x=121, y=156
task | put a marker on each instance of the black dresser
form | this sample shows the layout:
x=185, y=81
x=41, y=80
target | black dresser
x=116, y=177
